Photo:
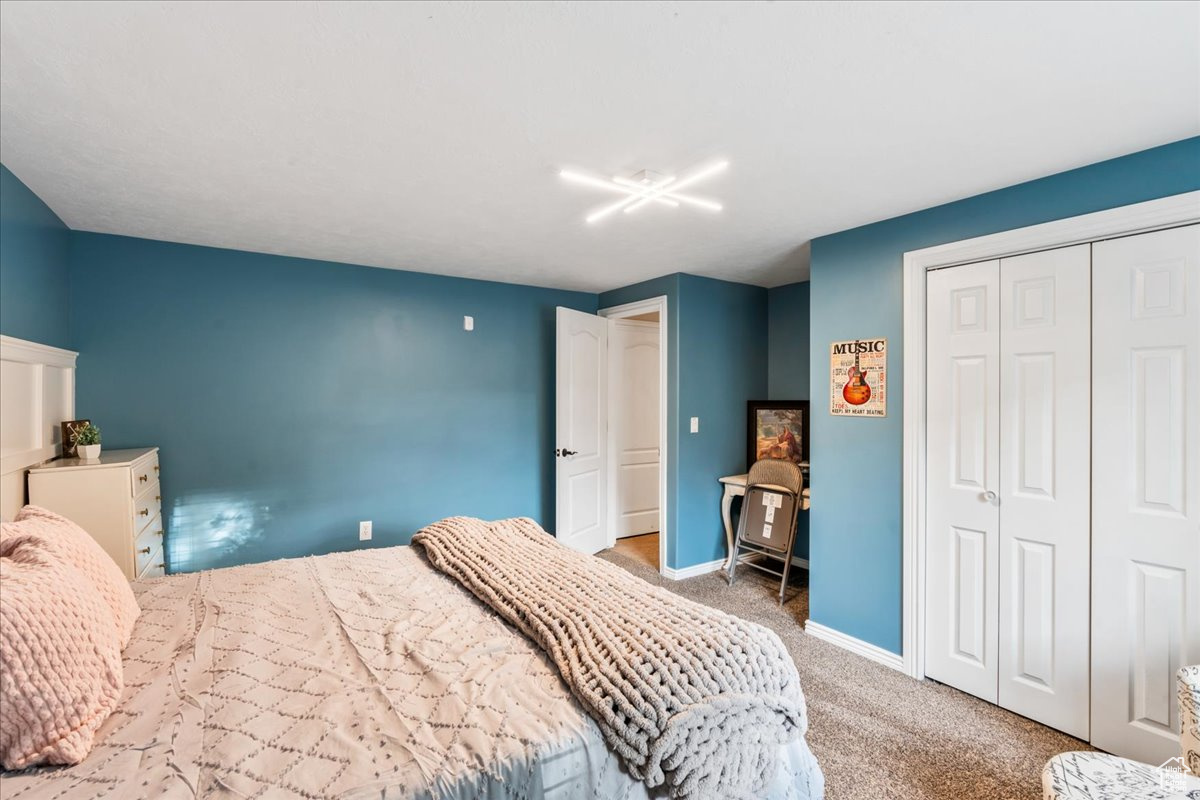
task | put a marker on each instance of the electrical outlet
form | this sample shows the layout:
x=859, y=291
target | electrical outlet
x=468, y=323
x=364, y=530
x=695, y=424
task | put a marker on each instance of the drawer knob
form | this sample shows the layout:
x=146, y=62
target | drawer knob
x=158, y=497
x=156, y=470
x=145, y=512
x=160, y=566
x=145, y=551
x=158, y=533
x=143, y=478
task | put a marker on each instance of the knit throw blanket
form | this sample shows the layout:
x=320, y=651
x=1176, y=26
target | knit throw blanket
x=685, y=695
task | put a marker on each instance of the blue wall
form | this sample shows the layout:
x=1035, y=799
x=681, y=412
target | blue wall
x=787, y=342
x=293, y=398
x=34, y=247
x=716, y=363
x=722, y=366
x=857, y=292
x=787, y=362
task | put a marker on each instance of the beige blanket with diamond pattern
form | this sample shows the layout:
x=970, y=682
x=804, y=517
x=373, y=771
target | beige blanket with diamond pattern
x=687, y=696
x=352, y=675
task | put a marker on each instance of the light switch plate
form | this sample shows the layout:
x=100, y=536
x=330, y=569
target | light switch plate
x=364, y=530
x=468, y=323
x=695, y=424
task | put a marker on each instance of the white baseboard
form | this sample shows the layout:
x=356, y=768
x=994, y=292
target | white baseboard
x=856, y=646
x=693, y=571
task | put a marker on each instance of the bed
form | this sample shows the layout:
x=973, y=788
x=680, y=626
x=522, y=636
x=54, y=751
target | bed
x=364, y=674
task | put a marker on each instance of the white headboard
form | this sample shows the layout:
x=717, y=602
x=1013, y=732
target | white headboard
x=37, y=393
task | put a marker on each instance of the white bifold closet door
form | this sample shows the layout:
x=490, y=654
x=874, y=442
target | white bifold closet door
x=963, y=475
x=1045, y=485
x=1007, y=550
x=1146, y=490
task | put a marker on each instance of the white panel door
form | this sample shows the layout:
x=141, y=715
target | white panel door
x=581, y=430
x=633, y=346
x=1044, y=487
x=1146, y=487
x=962, y=477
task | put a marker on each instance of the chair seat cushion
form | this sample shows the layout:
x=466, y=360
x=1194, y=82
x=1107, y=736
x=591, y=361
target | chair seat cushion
x=1099, y=776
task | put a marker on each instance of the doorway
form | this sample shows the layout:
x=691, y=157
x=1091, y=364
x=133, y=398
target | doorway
x=637, y=430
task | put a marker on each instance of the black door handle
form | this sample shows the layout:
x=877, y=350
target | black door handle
x=566, y=452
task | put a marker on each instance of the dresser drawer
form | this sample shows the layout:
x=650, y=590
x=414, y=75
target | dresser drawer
x=151, y=565
x=146, y=506
x=143, y=473
x=151, y=537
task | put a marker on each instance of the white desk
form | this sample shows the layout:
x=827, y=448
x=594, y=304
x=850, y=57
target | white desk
x=735, y=486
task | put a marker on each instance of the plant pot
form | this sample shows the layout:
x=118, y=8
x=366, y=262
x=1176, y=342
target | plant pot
x=88, y=451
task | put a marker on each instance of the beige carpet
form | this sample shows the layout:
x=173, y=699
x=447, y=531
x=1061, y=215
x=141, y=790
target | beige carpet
x=875, y=732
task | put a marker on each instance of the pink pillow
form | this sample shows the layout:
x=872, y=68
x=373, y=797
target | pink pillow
x=73, y=544
x=60, y=658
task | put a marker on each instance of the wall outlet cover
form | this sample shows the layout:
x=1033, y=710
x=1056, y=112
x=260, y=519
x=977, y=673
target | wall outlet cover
x=695, y=425
x=468, y=323
x=364, y=530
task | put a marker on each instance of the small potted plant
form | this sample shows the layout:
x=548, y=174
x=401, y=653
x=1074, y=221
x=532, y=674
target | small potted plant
x=87, y=442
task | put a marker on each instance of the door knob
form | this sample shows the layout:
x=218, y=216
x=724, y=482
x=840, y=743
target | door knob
x=990, y=496
x=566, y=452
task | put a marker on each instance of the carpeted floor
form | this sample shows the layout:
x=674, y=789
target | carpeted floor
x=875, y=732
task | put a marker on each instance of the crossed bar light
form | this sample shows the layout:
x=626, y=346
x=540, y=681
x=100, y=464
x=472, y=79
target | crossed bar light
x=665, y=191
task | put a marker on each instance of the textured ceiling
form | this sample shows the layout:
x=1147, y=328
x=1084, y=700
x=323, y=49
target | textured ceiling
x=427, y=136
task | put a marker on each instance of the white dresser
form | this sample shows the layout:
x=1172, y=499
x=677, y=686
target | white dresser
x=116, y=498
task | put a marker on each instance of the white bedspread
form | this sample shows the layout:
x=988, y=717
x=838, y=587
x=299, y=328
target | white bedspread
x=365, y=674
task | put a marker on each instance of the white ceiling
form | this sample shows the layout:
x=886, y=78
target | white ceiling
x=427, y=136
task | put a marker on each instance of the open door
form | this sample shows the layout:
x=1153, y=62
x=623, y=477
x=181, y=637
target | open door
x=581, y=430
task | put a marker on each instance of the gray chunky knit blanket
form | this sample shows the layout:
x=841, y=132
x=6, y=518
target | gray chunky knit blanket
x=685, y=695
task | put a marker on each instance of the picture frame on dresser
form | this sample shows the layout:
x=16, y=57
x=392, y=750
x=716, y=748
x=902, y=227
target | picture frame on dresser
x=69, y=429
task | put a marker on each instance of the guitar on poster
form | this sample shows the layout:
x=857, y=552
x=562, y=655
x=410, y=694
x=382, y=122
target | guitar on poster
x=858, y=378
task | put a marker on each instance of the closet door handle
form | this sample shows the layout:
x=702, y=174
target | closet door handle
x=990, y=496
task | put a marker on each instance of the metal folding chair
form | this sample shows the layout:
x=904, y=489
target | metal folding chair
x=767, y=525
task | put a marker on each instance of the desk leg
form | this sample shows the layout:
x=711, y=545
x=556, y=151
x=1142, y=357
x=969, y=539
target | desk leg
x=726, y=505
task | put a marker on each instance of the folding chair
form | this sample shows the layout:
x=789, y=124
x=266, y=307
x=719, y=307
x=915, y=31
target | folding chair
x=767, y=525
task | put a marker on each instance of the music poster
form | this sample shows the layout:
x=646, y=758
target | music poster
x=858, y=378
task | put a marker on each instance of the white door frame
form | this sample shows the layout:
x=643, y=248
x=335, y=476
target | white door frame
x=1166, y=212
x=635, y=309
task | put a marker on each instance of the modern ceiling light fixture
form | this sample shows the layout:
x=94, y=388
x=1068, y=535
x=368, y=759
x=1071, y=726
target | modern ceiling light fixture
x=648, y=187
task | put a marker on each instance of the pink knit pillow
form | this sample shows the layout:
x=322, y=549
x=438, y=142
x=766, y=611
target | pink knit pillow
x=73, y=544
x=60, y=658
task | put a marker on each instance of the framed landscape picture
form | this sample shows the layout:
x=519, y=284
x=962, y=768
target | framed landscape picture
x=777, y=429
